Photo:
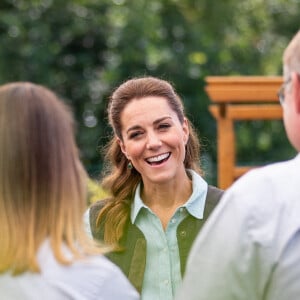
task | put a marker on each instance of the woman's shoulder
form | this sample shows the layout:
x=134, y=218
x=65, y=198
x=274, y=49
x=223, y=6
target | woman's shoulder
x=107, y=280
x=213, y=197
x=214, y=193
x=101, y=277
x=96, y=207
x=92, y=217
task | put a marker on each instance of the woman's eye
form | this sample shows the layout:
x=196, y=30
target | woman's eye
x=164, y=126
x=135, y=134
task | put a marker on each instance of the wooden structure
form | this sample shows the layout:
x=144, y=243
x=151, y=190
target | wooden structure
x=234, y=99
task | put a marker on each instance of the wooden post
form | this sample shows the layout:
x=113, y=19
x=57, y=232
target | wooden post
x=239, y=98
x=226, y=142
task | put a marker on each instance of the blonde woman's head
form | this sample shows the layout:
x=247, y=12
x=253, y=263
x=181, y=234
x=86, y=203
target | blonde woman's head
x=42, y=181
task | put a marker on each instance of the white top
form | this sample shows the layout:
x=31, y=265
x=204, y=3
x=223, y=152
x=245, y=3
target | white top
x=94, y=278
x=250, y=246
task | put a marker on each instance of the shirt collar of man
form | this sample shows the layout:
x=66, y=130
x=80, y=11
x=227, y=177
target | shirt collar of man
x=195, y=204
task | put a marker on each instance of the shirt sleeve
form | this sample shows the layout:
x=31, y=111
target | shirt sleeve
x=284, y=282
x=224, y=263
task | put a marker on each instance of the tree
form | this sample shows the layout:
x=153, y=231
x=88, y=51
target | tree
x=82, y=49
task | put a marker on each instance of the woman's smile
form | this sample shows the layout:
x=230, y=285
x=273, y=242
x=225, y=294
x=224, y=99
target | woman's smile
x=159, y=159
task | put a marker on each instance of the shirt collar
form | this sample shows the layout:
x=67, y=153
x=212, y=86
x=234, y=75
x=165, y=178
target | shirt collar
x=194, y=205
x=137, y=203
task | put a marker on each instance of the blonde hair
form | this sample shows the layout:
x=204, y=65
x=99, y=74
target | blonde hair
x=42, y=181
x=120, y=181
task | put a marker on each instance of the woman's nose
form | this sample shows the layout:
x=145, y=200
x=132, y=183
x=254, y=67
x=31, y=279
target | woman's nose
x=153, y=141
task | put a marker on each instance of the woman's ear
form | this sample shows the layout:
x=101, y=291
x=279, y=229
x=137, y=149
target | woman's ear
x=186, y=130
x=122, y=146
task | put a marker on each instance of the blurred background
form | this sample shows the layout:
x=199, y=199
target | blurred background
x=83, y=49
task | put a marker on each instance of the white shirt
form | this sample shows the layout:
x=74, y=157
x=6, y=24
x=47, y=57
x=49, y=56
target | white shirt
x=250, y=246
x=93, y=278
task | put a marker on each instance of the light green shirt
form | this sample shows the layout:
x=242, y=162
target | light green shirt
x=162, y=273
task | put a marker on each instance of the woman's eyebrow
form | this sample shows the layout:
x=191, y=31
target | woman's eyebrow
x=135, y=127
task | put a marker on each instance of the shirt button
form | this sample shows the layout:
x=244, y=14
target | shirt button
x=181, y=209
x=166, y=282
x=182, y=233
x=173, y=220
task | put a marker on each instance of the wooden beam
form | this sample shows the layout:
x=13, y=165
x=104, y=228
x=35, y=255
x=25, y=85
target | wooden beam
x=239, y=98
x=254, y=112
x=247, y=112
x=243, y=88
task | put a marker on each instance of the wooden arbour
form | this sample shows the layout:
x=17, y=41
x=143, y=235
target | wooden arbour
x=239, y=98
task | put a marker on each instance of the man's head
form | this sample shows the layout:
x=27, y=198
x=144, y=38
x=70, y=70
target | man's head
x=291, y=104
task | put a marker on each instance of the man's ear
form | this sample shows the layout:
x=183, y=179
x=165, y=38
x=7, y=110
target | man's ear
x=296, y=90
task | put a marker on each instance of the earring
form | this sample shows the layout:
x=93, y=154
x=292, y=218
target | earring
x=129, y=165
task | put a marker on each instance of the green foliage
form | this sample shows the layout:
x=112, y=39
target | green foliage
x=261, y=142
x=95, y=192
x=84, y=48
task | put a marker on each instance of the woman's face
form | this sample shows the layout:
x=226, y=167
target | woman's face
x=154, y=139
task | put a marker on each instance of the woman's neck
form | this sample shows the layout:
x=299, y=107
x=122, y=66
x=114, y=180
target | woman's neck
x=164, y=199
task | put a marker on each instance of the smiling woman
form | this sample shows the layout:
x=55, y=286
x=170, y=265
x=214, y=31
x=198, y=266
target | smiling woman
x=159, y=201
x=154, y=140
